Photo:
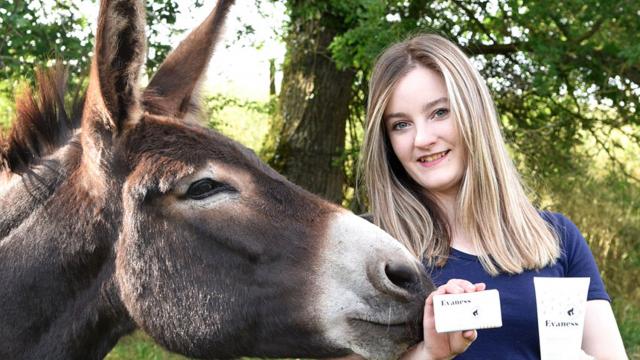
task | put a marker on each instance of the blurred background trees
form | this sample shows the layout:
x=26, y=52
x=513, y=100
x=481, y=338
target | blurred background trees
x=307, y=135
x=565, y=76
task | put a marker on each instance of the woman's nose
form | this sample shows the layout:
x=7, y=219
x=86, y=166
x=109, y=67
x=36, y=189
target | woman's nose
x=425, y=136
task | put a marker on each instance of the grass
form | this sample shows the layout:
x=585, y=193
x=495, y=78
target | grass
x=629, y=323
x=140, y=346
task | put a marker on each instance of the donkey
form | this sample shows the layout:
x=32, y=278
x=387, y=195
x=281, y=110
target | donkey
x=131, y=215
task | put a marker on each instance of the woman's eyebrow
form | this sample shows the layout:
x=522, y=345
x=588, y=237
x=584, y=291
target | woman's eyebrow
x=389, y=116
x=435, y=102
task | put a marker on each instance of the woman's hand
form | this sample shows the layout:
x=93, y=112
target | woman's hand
x=445, y=345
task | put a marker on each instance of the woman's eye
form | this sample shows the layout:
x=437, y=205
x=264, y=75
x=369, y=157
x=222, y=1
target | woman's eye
x=400, y=125
x=204, y=188
x=441, y=112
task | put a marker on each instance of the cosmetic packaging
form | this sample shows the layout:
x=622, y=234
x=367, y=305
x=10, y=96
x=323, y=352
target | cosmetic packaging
x=561, y=304
x=466, y=311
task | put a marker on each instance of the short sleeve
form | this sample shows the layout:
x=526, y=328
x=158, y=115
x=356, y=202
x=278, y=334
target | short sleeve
x=577, y=256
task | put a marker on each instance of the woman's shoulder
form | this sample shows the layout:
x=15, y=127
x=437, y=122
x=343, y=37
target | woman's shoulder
x=576, y=256
x=553, y=218
x=564, y=227
x=572, y=243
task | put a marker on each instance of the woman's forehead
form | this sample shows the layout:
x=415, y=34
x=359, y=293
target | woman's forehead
x=419, y=90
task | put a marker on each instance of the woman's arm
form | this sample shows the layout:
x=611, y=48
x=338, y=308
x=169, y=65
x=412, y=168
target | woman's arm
x=601, y=338
x=445, y=345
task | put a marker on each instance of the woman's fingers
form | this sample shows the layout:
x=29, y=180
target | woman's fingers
x=441, y=345
x=455, y=286
x=427, y=318
x=455, y=289
x=471, y=335
x=459, y=286
x=460, y=341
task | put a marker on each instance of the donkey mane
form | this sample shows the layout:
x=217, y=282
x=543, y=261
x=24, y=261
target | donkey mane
x=41, y=124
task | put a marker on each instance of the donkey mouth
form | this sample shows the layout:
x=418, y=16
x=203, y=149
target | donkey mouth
x=407, y=330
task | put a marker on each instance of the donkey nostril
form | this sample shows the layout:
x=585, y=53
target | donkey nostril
x=401, y=275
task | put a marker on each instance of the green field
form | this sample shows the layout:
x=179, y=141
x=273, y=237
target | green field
x=140, y=346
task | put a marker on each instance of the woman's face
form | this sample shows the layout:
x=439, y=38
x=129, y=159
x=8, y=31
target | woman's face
x=423, y=132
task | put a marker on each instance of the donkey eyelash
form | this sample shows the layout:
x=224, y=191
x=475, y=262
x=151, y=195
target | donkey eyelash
x=205, y=188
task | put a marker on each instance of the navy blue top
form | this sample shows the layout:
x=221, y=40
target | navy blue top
x=518, y=336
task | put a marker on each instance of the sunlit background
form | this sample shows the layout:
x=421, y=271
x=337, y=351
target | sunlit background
x=240, y=64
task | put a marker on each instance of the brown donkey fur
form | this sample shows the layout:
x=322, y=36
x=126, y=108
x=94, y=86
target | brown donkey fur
x=131, y=215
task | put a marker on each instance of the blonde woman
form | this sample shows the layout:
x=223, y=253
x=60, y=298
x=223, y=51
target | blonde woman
x=440, y=180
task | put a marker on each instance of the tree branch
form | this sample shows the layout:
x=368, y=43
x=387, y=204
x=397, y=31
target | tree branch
x=613, y=157
x=599, y=141
x=631, y=72
x=494, y=49
x=472, y=17
x=617, y=65
x=563, y=29
x=594, y=29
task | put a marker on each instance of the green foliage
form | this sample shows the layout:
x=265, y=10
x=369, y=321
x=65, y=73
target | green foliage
x=605, y=205
x=310, y=20
x=35, y=33
x=161, y=19
x=6, y=108
x=245, y=121
x=39, y=32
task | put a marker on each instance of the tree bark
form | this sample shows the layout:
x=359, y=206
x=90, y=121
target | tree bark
x=307, y=136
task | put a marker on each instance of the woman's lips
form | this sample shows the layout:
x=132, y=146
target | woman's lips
x=433, y=159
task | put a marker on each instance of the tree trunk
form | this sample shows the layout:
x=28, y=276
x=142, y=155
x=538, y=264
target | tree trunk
x=307, y=135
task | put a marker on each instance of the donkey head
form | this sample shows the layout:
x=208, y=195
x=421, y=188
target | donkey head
x=217, y=255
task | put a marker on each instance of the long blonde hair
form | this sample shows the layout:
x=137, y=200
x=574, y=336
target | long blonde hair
x=506, y=230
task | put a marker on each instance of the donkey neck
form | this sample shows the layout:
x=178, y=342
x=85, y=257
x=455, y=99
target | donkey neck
x=57, y=265
x=22, y=194
x=88, y=327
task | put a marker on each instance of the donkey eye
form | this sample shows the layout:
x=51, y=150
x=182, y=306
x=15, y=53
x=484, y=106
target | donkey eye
x=204, y=188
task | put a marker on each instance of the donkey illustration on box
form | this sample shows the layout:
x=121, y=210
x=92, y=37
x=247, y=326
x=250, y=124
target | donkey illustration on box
x=131, y=215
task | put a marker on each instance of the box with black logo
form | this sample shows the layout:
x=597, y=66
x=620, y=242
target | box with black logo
x=476, y=310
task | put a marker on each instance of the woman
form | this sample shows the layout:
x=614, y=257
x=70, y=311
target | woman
x=440, y=180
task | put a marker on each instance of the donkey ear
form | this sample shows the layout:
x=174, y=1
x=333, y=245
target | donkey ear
x=171, y=90
x=113, y=98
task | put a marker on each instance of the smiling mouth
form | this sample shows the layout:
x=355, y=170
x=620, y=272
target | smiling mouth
x=433, y=157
